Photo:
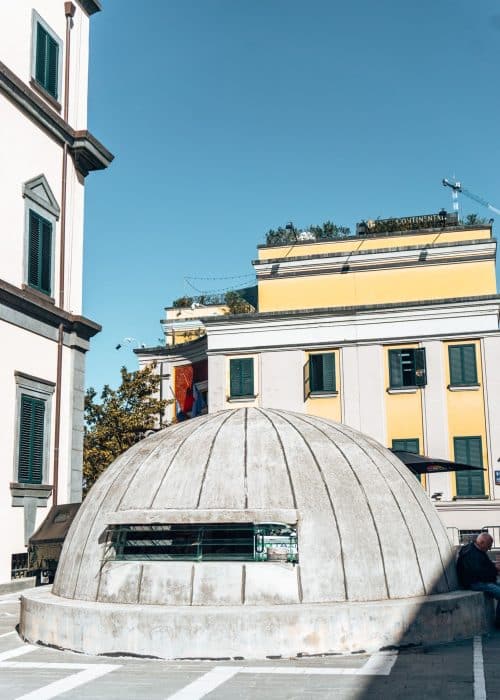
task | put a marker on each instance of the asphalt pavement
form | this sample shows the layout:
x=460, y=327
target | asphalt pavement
x=467, y=670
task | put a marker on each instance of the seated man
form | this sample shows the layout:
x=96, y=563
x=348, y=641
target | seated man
x=476, y=570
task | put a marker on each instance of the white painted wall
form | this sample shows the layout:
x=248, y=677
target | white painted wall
x=15, y=43
x=281, y=380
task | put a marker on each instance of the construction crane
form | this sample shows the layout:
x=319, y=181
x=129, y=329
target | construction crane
x=457, y=187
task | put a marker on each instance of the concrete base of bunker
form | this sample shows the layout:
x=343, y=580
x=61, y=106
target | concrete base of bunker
x=251, y=632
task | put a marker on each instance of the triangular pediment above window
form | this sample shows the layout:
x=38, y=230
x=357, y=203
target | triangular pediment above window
x=38, y=190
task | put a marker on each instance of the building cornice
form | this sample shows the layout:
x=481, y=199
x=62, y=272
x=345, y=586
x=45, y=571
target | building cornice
x=89, y=154
x=257, y=317
x=33, y=306
x=90, y=6
x=365, y=260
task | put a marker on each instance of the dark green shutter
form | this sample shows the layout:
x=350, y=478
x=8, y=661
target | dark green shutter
x=31, y=439
x=241, y=377
x=329, y=372
x=39, y=252
x=46, y=61
x=395, y=369
x=34, y=249
x=463, y=369
x=420, y=367
x=406, y=445
x=468, y=450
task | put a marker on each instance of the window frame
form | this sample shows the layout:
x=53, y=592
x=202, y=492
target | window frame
x=419, y=364
x=46, y=208
x=461, y=347
x=41, y=390
x=241, y=396
x=314, y=391
x=470, y=474
x=405, y=448
x=36, y=21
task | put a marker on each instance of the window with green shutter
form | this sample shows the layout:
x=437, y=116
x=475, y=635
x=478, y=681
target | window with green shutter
x=322, y=372
x=469, y=450
x=31, y=440
x=406, y=445
x=463, y=369
x=39, y=252
x=47, y=61
x=241, y=377
x=407, y=368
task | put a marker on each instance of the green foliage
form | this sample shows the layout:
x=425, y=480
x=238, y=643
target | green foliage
x=475, y=220
x=236, y=303
x=118, y=420
x=182, y=302
x=328, y=231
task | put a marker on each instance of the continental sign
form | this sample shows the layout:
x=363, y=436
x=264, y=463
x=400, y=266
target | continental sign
x=406, y=223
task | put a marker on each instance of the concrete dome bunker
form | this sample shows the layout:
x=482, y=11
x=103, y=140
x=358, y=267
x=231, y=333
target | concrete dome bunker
x=253, y=533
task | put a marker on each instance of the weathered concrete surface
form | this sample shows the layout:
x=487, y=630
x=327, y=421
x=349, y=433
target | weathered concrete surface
x=250, y=632
x=372, y=549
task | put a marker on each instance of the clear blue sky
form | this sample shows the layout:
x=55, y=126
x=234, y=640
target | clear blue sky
x=230, y=117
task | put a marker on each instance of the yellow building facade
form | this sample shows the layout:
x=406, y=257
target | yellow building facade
x=395, y=334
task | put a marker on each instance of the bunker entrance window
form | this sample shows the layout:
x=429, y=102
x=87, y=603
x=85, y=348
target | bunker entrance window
x=203, y=542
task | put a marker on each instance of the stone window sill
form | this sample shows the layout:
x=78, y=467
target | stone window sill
x=241, y=399
x=403, y=390
x=464, y=387
x=21, y=491
x=37, y=294
x=322, y=394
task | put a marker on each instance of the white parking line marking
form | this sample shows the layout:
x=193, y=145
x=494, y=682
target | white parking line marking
x=379, y=664
x=18, y=651
x=479, y=682
x=89, y=673
x=6, y=634
x=204, y=685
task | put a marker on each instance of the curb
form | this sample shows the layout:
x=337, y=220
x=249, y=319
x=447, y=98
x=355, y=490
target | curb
x=17, y=585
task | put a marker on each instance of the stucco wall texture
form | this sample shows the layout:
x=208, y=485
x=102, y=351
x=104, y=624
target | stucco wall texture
x=366, y=529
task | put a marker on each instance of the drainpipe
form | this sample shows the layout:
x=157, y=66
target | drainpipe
x=69, y=11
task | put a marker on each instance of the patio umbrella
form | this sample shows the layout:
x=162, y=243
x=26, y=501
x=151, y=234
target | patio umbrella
x=420, y=464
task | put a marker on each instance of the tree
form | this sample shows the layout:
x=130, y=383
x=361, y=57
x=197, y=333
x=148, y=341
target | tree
x=475, y=220
x=119, y=420
x=237, y=304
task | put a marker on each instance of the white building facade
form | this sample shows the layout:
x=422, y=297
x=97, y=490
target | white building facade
x=47, y=152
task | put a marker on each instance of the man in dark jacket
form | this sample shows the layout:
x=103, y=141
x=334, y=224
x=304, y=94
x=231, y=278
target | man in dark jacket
x=476, y=570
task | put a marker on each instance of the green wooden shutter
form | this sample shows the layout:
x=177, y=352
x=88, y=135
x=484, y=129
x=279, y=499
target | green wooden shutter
x=46, y=61
x=45, y=256
x=241, y=377
x=41, y=54
x=395, y=369
x=52, y=66
x=33, y=248
x=328, y=372
x=468, y=450
x=406, y=445
x=31, y=439
x=469, y=364
x=463, y=369
x=39, y=252
x=420, y=367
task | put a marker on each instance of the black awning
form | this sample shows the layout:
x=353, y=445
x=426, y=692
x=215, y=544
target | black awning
x=56, y=525
x=420, y=464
